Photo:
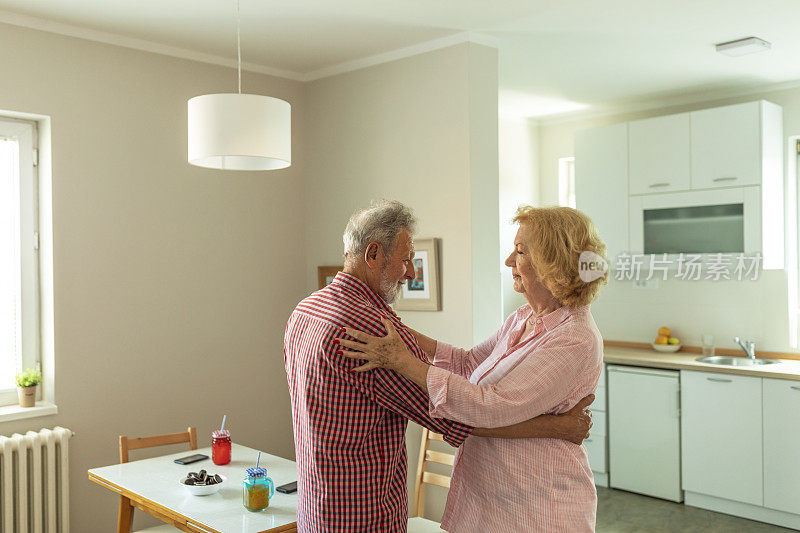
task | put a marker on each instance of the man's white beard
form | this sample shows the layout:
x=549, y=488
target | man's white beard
x=390, y=290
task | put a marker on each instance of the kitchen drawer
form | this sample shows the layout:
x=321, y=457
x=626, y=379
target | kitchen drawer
x=596, y=449
x=599, y=424
x=599, y=400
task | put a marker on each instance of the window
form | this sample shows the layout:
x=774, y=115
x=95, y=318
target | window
x=792, y=234
x=19, y=265
x=566, y=182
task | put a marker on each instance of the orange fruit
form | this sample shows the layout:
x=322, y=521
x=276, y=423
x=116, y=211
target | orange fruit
x=662, y=339
x=664, y=331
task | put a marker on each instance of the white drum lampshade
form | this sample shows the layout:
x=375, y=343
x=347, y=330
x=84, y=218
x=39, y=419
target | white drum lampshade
x=240, y=132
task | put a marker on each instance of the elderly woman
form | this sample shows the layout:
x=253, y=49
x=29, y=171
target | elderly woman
x=544, y=359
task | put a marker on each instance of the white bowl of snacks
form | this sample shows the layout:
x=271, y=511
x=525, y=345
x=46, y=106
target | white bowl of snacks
x=202, y=483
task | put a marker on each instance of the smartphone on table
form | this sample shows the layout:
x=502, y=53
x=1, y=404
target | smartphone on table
x=288, y=488
x=191, y=459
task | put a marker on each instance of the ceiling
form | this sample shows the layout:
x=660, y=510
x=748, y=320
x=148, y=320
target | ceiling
x=555, y=57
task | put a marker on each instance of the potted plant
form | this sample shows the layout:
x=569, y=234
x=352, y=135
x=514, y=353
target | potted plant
x=26, y=386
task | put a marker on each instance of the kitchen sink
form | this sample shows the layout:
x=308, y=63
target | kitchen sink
x=735, y=361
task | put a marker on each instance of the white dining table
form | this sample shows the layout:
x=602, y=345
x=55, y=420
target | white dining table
x=153, y=485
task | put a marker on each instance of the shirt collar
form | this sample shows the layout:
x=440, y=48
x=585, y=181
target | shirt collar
x=352, y=284
x=554, y=318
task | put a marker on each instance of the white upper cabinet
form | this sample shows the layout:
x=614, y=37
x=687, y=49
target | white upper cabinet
x=734, y=145
x=659, y=154
x=601, y=183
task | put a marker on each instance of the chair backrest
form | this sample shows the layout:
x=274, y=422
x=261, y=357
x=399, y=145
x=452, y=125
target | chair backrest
x=126, y=444
x=427, y=456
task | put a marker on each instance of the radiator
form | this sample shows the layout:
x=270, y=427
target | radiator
x=34, y=482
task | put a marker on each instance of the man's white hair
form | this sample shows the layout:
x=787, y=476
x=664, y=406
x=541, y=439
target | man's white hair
x=381, y=222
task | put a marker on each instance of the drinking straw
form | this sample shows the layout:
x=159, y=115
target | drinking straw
x=223, y=422
x=259, y=459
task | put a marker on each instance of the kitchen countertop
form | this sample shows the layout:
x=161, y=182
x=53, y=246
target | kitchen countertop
x=618, y=355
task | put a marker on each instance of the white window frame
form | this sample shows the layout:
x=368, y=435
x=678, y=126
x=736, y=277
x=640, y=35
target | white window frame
x=25, y=133
x=566, y=182
x=793, y=239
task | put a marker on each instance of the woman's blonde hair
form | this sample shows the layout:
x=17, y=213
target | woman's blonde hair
x=556, y=238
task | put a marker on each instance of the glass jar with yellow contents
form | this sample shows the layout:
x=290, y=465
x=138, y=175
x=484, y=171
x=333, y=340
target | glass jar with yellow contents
x=257, y=489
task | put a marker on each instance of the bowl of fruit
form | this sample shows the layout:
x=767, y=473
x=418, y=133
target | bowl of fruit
x=665, y=342
x=202, y=483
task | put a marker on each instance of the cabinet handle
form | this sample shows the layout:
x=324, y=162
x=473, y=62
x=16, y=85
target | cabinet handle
x=719, y=380
x=661, y=184
x=793, y=387
x=725, y=178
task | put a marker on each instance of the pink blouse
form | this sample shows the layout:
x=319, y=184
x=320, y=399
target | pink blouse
x=531, y=485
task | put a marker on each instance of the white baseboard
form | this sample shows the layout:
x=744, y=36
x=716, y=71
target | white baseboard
x=744, y=510
x=601, y=479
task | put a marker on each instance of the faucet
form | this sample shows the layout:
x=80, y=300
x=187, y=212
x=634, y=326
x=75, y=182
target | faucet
x=749, y=347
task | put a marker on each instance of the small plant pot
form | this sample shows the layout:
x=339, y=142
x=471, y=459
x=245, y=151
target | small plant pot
x=27, y=396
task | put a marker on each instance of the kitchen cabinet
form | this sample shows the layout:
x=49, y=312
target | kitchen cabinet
x=721, y=428
x=687, y=158
x=701, y=222
x=601, y=183
x=781, y=435
x=644, y=431
x=733, y=145
x=596, y=444
x=659, y=154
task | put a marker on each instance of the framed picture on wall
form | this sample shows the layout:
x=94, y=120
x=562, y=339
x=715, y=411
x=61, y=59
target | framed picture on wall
x=422, y=292
x=325, y=274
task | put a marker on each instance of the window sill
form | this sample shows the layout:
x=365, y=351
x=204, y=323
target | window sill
x=15, y=412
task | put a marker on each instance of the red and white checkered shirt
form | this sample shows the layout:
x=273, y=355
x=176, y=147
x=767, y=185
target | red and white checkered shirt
x=350, y=427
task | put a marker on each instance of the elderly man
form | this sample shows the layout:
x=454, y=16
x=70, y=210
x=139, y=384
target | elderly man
x=349, y=427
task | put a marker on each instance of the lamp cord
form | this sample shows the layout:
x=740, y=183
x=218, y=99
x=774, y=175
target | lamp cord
x=239, y=45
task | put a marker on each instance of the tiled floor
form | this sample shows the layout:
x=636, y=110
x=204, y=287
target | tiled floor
x=624, y=512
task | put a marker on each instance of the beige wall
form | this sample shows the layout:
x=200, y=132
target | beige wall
x=421, y=130
x=172, y=283
x=749, y=309
x=519, y=179
x=167, y=275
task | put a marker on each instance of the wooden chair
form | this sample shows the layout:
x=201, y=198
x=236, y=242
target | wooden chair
x=418, y=523
x=125, y=518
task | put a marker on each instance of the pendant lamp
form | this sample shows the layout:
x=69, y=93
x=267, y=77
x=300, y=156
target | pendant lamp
x=235, y=131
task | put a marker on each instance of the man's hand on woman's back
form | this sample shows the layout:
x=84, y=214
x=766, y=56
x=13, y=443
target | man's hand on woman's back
x=574, y=425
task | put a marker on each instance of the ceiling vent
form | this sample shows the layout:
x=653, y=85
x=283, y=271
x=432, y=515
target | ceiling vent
x=741, y=47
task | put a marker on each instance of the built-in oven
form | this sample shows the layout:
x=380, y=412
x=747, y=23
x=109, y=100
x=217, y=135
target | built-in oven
x=706, y=222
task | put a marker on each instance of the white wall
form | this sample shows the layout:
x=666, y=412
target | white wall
x=519, y=179
x=755, y=310
x=421, y=130
x=168, y=277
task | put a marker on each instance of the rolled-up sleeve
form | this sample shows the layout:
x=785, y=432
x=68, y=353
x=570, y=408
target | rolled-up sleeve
x=537, y=385
x=460, y=361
